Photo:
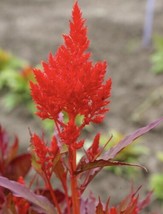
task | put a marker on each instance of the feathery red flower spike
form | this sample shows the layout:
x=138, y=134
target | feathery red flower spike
x=71, y=83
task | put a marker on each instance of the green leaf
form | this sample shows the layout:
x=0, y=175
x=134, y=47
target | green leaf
x=160, y=156
x=157, y=56
x=156, y=183
x=10, y=101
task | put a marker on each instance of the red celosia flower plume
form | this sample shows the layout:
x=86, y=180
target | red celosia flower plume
x=70, y=82
x=44, y=155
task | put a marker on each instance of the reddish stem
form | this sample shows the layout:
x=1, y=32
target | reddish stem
x=74, y=187
x=64, y=184
x=53, y=195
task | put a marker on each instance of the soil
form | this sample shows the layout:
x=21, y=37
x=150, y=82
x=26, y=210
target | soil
x=31, y=29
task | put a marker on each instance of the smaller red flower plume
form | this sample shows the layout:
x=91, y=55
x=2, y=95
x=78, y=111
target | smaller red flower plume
x=94, y=150
x=44, y=155
x=70, y=82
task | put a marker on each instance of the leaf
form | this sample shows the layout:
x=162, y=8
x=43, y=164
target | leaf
x=156, y=184
x=158, y=42
x=60, y=196
x=10, y=100
x=13, y=150
x=102, y=163
x=129, y=139
x=22, y=191
x=89, y=177
x=107, y=206
x=35, y=164
x=88, y=206
x=145, y=202
x=99, y=208
x=60, y=172
x=93, y=167
x=19, y=166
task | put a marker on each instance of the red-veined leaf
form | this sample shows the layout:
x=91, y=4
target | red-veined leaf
x=60, y=196
x=19, y=166
x=39, y=202
x=88, y=206
x=13, y=150
x=102, y=163
x=145, y=202
x=129, y=139
x=99, y=208
x=113, y=152
x=89, y=177
x=107, y=206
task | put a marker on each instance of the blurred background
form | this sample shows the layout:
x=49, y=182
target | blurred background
x=122, y=33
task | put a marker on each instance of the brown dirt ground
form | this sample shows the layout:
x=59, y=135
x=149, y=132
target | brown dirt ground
x=31, y=29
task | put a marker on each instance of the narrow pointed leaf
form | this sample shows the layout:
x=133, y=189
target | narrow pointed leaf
x=99, y=208
x=129, y=139
x=88, y=206
x=89, y=177
x=13, y=150
x=102, y=163
x=146, y=201
x=22, y=191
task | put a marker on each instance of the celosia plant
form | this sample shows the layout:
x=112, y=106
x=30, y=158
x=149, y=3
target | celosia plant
x=72, y=85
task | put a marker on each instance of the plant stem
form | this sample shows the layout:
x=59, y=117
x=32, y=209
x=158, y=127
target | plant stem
x=53, y=195
x=67, y=197
x=74, y=186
